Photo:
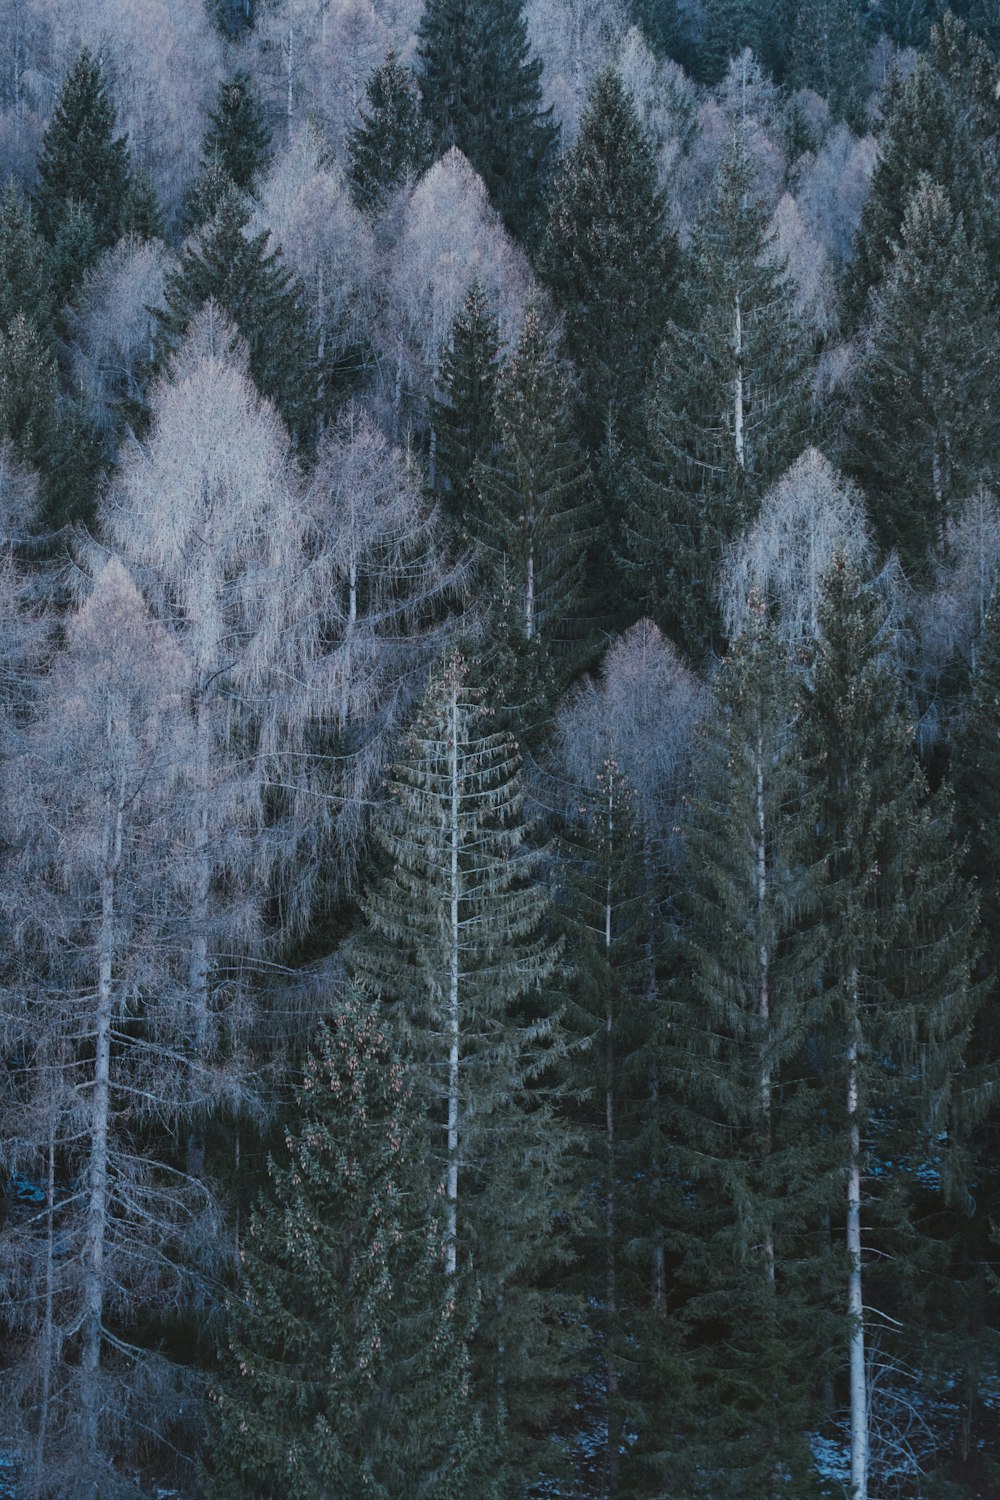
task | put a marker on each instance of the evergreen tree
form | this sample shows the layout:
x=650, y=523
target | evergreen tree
x=829, y=55
x=729, y=27
x=749, y=1291
x=924, y=131
x=455, y=944
x=234, y=150
x=391, y=143
x=898, y=941
x=348, y=1363
x=82, y=161
x=531, y=522
x=24, y=263
x=237, y=272
x=727, y=409
x=463, y=417
x=926, y=422
x=607, y=257
x=481, y=92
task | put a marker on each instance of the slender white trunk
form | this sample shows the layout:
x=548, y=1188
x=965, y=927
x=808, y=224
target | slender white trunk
x=47, y=1352
x=97, y=1201
x=291, y=51
x=611, y=1210
x=198, y=966
x=453, y=999
x=763, y=981
x=855, y=1300
x=738, y=399
x=529, y=598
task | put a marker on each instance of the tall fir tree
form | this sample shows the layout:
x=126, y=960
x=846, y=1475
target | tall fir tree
x=829, y=55
x=390, y=145
x=749, y=1301
x=236, y=271
x=346, y=1362
x=899, y=939
x=234, y=151
x=481, y=91
x=727, y=409
x=25, y=285
x=926, y=419
x=607, y=257
x=463, y=415
x=83, y=161
x=455, y=943
x=531, y=524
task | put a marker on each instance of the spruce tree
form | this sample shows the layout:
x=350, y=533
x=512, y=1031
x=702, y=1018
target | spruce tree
x=926, y=421
x=234, y=150
x=829, y=55
x=346, y=1362
x=898, y=941
x=727, y=409
x=82, y=160
x=531, y=521
x=924, y=131
x=749, y=1288
x=235, y=270
x=607, y=258
x=390, y=145
x=463, y=416
x=455, y=943
x=24, y=263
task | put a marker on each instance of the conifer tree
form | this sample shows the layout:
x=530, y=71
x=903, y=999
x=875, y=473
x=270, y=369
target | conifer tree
x=926, y=423
x=246, y=280
x=828, y=54
x=898, y=942
x=455, y=943
x=924, y=131
x=24, y=267
x=463, y=416
x=346, y=1361
x=727, y=409
x=391, y=143
x=82, y=160
x=607, y=257
x=234, y=149
x=532, y=518
x=749, y=1290
x=481, y=92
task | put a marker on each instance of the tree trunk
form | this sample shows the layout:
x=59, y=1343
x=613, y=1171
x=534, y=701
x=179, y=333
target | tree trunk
x=48, y=1329
x=738, y=398
x=763, y=983
x=611, y=1290
x=198, y=963
x=855, y=1301
x=453, y=997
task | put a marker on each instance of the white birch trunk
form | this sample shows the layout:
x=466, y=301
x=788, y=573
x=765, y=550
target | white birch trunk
x=453, y=998
x=198, y=966
x=92, y=1322
x=291, y=49
x=611, y=1211
x=763, y=980
x=738, y=411
x=529, y=598
x=855, y=1300
x=48, y=1329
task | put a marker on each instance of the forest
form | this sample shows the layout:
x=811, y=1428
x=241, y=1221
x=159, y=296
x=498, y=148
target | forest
x=500, y=743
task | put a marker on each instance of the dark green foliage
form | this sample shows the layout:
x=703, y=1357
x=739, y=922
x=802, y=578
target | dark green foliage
x=531, y=522
x=82, y=161
x=232, y=17
x=607, y=257
x=926, y=422
x=25, y=276
x=248, y=282
x=455, y=943
x=391, y=144
x=481, y=92
x=749, y=1291
x=74, y=250
x=234, y=151
x=729, y=27
x=463, y=416
x=141, y=215
x=924, y=131
x=727, y=410
x=906, y=22
x=346, y=1358
x=829, y=55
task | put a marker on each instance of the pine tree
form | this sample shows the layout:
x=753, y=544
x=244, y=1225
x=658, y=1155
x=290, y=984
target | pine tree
x=82, y=161
x=749, y=1287
x=729, y=27
x=347, y=1357
x=455, y=944
x=391, y=144
x=234, y=149
x=237, y=272
x=24, y=264
x=924, y=131
x=481, y=92
x=607, y=257
x=829, y=55
x=926, y=421
x=531, y=521
x=463, y=417
x=727, y=409
x=898, y=941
